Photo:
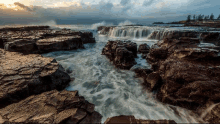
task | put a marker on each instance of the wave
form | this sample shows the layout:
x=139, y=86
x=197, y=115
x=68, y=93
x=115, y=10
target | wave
x=127, y=22
x=103, y=23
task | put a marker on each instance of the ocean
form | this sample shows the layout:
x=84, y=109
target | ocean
x=115, y=91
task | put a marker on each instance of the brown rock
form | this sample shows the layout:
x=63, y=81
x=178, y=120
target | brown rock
x=188, y=84
x=159, y=35
x=51, y=107
x=24, y=75
x=123, y=119
x=104, y=29
x=212, y=114
x=29, y=40
x=196, y=53
x=25, y=46
x=59, y=43
x=87, y=37
x=121, y=53
x=157, y=53
x=141, y=71
x=153, y=81
x=189, y=73
x=143, y=48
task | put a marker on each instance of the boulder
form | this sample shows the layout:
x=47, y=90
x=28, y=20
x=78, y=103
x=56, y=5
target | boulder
x=153, y=81
x=121, y=53
x=87, y=37
x=24, y=75
x=59, y=43
x=128, y=119
x=143, y=48
x=52, y=107
x=141, y=71
x=156, y=54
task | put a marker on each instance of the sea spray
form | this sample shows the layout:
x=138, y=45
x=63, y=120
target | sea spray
x=114, y=91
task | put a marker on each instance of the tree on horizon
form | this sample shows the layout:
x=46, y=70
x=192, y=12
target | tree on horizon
x=212, y=17
x=218, y=17
x=200, y=17
x=194, y=17
x=206, y=18
x=188, y=18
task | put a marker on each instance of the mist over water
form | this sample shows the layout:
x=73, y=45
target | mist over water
x=115, y=91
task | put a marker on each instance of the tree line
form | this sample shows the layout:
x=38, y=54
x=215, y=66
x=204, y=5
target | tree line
x=201, y=17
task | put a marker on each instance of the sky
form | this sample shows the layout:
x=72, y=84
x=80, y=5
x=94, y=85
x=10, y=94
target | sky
x=95, y=11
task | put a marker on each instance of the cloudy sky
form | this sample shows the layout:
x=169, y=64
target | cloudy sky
x=94, y=11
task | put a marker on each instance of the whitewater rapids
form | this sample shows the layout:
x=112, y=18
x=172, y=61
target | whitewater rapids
x=114, y=91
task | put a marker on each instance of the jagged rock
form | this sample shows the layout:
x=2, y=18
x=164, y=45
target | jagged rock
x=210, y=37
x=156, y=53
x=59, y=43
x=53, y=107
x=189, y=84
x=104, y=29
x=24, y=75
x=187, y=73
x=87, y=37
x=212, y=114
x=141, y=71
x=30, y=40
x=163, y=49
x=121, y=53
x=143, y=48
x=25, y=46
x=159, y=35
x=123, y=119
x=153, y=81
x=195, y=53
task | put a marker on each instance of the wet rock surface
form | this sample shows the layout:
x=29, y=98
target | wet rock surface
x=104, y=29
x=121, y=53
x=123, y=119
x=143, y=48
x=53, y=107
x=206, y=37
x=24, y=75
x=42, y=39
x=186, y=73
x=59, y=43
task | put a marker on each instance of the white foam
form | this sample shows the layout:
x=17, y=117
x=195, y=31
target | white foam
x=114, y=91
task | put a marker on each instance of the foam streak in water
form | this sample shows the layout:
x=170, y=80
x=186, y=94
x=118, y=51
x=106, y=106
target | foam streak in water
x=113, y=91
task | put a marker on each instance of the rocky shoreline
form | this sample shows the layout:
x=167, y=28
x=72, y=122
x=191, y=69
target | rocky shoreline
x=32, y=86
x=42, y=39
x=184, y=72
